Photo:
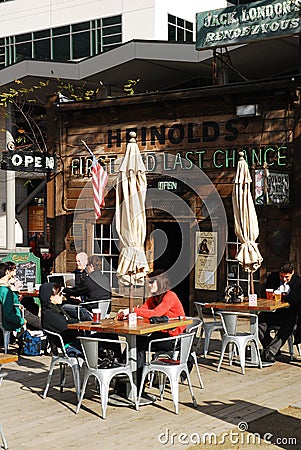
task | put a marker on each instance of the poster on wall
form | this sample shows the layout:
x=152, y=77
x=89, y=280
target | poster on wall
x=206, y=260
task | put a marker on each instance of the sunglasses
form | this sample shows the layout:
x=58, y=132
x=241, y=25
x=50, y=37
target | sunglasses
x=151, y=281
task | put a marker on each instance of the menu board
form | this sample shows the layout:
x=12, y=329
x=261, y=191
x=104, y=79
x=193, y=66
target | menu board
x=28, y=267
x=206, y=260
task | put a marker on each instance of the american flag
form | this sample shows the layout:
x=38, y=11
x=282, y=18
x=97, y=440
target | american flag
x=99, y=182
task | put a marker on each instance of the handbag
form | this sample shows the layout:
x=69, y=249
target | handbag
x=158, y=319
x=233, y=294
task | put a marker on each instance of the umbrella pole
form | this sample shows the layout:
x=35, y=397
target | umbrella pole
x=131, y=296
x=251, y=283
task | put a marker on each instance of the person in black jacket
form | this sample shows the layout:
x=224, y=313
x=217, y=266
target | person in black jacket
x=53, y=316
x=95, y=286
x=286, y=318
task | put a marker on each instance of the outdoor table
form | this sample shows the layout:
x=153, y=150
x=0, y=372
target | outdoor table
x=122, y=327
x=263, y=304
x=33, y=293
x=5, y=358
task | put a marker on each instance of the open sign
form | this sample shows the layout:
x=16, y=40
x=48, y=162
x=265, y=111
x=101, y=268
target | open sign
x=29, y=161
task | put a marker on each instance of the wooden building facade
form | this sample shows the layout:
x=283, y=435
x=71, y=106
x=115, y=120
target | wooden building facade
x=190, y=142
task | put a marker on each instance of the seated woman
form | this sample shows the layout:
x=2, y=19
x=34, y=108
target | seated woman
x=12, y=318
x=27, y=304
x=162, y=302
x=54, y=318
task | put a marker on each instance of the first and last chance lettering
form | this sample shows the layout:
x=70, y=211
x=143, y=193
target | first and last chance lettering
x=221, y=158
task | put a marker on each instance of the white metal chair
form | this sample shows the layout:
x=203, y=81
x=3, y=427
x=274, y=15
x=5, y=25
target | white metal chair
x=240, y=339
x=170, y=367
x=6, y=334
x=103, y=305
x=60, y=356
x=208, y=326
x=2, y=374
x=104, y=376
x=194, y=328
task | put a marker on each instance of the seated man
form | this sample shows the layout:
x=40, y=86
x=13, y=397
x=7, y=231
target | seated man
x=286, y=318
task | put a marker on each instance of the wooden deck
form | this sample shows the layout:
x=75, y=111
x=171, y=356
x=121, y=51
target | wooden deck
x=29, y=422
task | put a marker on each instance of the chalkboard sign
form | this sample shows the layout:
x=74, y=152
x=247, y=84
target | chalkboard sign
x=28, y=267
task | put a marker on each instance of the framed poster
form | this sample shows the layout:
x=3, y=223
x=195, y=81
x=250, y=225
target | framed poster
x=206, y=260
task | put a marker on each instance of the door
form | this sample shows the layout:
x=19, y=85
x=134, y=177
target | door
x=172, y=253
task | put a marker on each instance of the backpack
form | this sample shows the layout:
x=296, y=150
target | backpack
x=29, y=345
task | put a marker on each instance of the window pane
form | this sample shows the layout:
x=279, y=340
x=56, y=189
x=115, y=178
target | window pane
x=180, y=35
x=171, y=33
x=171, y=19
x=41, y=34
x=180, y=22
x=111, y=30
x=1, y=41
x=42, y=49
x=106, y=231
x=109, y=47
x=188, y=25
x=81, y=45
x=111, y=20
x=61, y=48
x=189, y=36
x=81, y=26
x=23, y=51
x=111, y=40
x=61, y=30
x=23, y=37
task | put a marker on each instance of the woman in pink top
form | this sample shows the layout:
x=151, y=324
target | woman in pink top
x=162, y=302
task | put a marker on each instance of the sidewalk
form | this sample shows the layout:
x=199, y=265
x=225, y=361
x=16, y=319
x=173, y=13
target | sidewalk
x=229, y=398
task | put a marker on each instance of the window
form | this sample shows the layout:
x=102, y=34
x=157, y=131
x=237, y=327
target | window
x=65, y=43
x=106, y=246
x=179, y=30
x=235, y=272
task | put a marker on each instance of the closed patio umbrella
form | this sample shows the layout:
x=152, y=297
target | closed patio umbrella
x=131, y=217
x=245, y=221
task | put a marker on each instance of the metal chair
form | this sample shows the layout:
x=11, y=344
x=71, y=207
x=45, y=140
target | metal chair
x=6, y=333
x=290, y=341
x=104, y=376
x=170, y=367
x=240, y=339
x=194, y=328
x=60, y=356
x=208, y=326
x=2, y=374
x=103, y=305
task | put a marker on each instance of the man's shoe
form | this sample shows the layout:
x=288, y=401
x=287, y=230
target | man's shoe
x=267, y=356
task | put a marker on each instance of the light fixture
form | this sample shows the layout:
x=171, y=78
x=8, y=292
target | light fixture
x=247, y=110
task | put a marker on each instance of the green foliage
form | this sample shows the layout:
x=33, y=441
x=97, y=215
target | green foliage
x=77, y=93
x=129, y=86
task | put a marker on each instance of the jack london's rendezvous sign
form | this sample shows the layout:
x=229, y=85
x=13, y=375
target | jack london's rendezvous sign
x=245, y=23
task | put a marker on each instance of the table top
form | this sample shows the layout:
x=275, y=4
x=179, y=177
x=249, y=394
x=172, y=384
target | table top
x=6, y=358
x=29, y=293
x=122, y=326
x=263, y=304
